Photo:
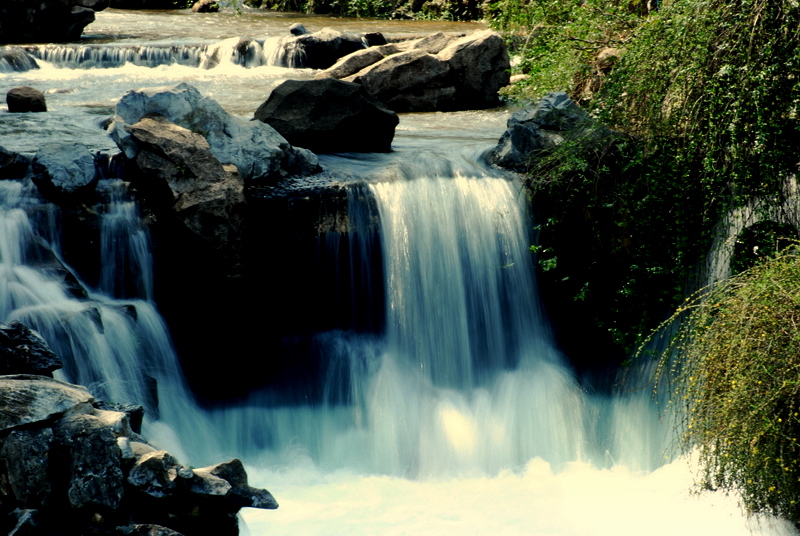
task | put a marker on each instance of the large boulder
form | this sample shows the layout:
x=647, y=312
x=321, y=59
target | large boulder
x=329, y=115
x=23, y=351
x=37, y=21
x=27, y=399
x=318, y=50
x=352, y=63
x=64, y=170
x=25, y=99
x=464, y=74
x=535, y=130
x=259, y=153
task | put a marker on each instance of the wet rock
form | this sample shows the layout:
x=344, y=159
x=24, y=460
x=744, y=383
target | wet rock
x=28, y=475
x=26, y=399
x=64, y=171
x=93, y=463
x=205, y=6
x=242, y=494
x=374, y=39
x=535, y=130
x=25, y=99
x=134, y=413
x=298, y=29
x=353, y=63
x=25, y=522
x=320, y=50
x=158, y=474
x=12, y=165
x=23, y=351
x=329, y=115
x=16, y=60
x=36, y=21
x=260, y=154
x=147, y=530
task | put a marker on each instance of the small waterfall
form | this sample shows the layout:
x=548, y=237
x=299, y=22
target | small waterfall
x=241, y=51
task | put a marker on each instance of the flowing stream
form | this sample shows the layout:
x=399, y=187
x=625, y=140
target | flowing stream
x=460, y=416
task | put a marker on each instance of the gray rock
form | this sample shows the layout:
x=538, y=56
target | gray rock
x=481, y=64
x=28, y=474
x=400, y=81
x=23, y=351
x=26, y=399
x=25, y=99
x=353, y=63
x=64, y=170
x=244, y=496
x=256, y=149
x=432, y=44
x=93, y=462
x=535, y=130
x=298, y=29
x=329, y=115
x=12, y=165
x=158, y=474
x=147, y=530
x=319, y=50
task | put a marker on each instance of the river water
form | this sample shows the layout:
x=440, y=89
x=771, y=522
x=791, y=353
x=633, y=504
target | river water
x=460, y=417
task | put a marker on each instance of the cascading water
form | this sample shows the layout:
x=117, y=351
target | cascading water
x=450, y=412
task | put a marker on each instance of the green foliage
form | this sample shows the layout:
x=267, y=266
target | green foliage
x=733, y=372
x=556, y=42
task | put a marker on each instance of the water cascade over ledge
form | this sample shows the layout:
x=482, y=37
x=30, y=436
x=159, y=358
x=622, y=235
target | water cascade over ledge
x=447, y=409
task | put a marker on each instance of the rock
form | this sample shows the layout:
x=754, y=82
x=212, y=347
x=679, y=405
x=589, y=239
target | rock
x=205, y=6
x=256, y=149
x=329, y=115
x=481, y=64
x=533, y=131
x=26, y=399
x=93, y=462
x=374, y=39
x=233, y=472
x=158, y=474
x=25, y=99
x=298, y=29
x=28, y=475
x=409, y=81
x=16, y=60
x=178, y=174
x=319, y=50
x=46, y=21
x=23, y=351
x=64, y=170
x=26, y=522
x=12, y=165
x=353, y=63
x=147, y=530
x=437, y=73
x=133, y=412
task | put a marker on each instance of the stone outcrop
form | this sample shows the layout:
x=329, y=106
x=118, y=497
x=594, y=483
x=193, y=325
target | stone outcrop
x=356, y=61
x=435, y=73
x=46, y=21
x=329, y=115
x=69, y=465
x=259, y=153
x=535, y=130
x=25, y=99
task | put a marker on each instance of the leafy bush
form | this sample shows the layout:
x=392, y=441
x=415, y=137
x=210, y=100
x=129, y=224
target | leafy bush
x=733, y=370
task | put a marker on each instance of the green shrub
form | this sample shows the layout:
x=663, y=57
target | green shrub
x=733, y=372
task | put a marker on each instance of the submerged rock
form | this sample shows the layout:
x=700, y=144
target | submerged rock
x=329, y=115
